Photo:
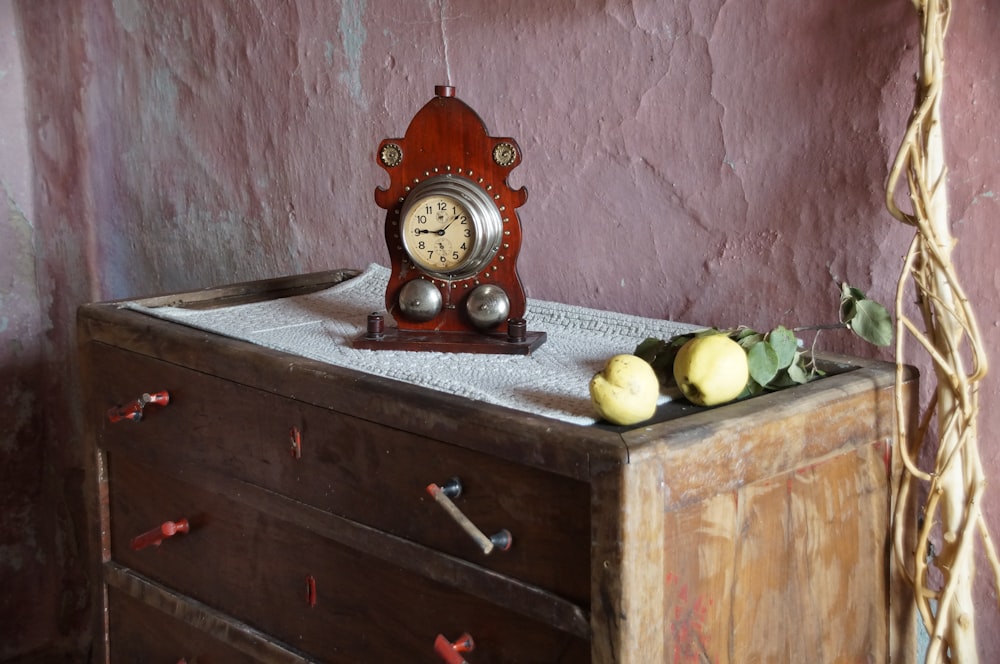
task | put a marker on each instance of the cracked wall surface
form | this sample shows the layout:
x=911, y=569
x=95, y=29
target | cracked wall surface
x=29, y=568
x=716, y=162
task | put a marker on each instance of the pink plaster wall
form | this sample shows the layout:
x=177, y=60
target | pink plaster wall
x=714, y=162
x=30, y=566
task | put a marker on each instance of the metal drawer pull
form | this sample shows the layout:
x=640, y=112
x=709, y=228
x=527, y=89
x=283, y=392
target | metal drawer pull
x=132, y=411
x=450, y=652
x=156, y=536
x=453, y=489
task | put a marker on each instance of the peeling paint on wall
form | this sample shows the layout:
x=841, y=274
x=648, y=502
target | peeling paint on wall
x=130, y=13
x=353, y=37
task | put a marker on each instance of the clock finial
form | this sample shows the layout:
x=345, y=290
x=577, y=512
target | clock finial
x=444, y=90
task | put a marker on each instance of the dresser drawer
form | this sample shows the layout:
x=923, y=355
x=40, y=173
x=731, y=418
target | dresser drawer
x=313, y=594
x=141, y=633
x=367, y=472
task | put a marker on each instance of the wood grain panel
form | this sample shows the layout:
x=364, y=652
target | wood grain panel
x=790, y=569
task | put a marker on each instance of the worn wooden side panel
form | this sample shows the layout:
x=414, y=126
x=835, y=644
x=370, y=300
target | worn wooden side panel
x=826, y=590
x=629, y=562
x=701, y=543
x=95, y=494
x=606, y=554
x=642, y=570
x=790, y=569
x=725, y=448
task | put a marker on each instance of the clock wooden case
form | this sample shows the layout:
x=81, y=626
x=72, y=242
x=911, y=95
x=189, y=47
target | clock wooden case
x=453, y=235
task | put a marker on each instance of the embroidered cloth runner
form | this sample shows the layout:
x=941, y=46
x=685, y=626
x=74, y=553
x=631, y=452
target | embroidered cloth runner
x=552, y=381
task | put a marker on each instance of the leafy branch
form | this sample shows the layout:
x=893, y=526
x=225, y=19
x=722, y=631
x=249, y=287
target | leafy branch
x=779, y=359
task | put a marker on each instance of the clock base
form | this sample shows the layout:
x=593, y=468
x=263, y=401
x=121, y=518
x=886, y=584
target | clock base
x=500, y=343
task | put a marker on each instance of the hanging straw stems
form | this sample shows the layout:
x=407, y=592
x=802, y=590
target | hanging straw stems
x=950, y=337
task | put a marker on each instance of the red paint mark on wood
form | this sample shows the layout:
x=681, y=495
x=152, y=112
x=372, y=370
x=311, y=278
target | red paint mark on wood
x=687, y=623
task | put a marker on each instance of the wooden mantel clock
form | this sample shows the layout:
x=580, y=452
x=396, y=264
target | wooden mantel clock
x=453, y=235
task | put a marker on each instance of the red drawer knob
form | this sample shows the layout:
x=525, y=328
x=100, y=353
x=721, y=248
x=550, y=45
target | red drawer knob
x=451, y=651
x=156, y=536
x=501, y=540
x=132, y=411
x=311, y=597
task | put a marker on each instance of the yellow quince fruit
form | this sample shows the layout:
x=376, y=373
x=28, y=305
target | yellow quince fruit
x=625, y=391
x=711, y=370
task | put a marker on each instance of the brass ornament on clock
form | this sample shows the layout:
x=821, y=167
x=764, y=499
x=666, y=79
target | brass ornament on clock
x=504, y=154
x=390, y=155
x=453, y=236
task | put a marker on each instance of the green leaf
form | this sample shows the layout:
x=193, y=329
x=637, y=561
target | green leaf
x=781, y=381
x=680, y=340
x=763, y=363
x=648, y=347
x=872, y=323
x=785, y=345
x=708, y=331
x=660, y=353
x=798, y=374
x=849, y=298
x=750, y=340
x=752, y=389
x=743, y=332
x=850, y=292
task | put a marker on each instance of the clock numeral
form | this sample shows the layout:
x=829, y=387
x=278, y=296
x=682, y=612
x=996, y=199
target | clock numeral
x=421, y=219
x=442, y=206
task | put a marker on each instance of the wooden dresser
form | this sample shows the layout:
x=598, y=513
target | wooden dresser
x=253, y=505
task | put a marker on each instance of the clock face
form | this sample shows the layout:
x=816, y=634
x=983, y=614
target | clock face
x=439, y=233
x=449, y=227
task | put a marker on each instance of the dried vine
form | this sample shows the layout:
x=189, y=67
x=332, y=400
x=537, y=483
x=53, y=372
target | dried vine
x=950, y=336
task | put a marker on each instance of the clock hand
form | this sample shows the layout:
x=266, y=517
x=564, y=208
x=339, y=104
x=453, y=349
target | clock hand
x=441, y=232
